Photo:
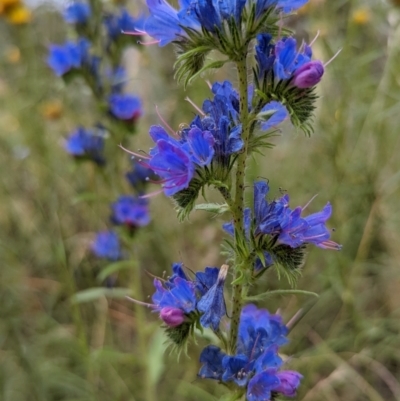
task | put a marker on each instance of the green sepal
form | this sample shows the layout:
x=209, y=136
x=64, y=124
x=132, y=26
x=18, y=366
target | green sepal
x=215, y=208
x=186, y=199
x=213, y=65
x=288, y=261
x=190, y=61
x=290, y=258
x=301, y=105
x=179, y=335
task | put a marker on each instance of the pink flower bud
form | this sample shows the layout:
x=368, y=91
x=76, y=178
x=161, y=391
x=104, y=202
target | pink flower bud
x=289, y=381
x=172, y=317
x=308, y=75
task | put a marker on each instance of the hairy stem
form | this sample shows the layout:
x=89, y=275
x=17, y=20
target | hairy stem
x=238, y=204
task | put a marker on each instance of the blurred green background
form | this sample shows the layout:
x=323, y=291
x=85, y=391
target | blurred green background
x=348, y=344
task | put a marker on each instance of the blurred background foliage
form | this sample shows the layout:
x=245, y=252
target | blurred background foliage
x=347, y=345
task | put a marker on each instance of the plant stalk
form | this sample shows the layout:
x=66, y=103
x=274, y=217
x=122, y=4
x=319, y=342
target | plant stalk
x=238, y=204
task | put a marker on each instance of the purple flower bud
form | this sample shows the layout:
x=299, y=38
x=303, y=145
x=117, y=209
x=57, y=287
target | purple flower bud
x=289, y=381
x=171, y=316
x=308, y=74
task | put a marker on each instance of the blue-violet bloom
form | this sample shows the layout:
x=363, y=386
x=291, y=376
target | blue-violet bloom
x=256, y=366
x=107, y=245
x=77, y=12
x=71, y=55
x=86, y=144
x=131, y=211
x=125, y=107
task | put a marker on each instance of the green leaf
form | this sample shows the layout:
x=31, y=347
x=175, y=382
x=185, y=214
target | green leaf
x=85, y=197
x=268, y=294
x=115, y=267
x=213, y=65
x=213, y=207
x=92, y=294
x=155, y=354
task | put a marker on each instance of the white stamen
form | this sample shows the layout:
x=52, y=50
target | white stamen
x=333, y=58
x=309, y=201
x=316, y=37
x=171, y=131
x=195, y=106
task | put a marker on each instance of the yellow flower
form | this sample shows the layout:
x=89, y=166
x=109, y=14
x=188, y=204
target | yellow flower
x=13, y=55
x=8, y=3
x=19, y=15
x=361, y=16
x=52, y=110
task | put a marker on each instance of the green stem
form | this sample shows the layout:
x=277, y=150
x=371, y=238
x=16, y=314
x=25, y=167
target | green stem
x=142, y=332
x=238, y=204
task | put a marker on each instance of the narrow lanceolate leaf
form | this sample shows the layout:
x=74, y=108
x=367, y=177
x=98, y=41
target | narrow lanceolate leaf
x=92, y=294
x=268, y=294
x=114, y=268
x=215, y=208
x=213, y=65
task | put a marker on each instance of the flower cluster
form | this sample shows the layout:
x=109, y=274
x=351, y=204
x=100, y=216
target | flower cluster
x=87, y=145
x=130, y=211
x=69, y=57
x=212, y=150
x=275, y=230
x=181, y=300
x=107, y=245
x=98, y=65
x=77, y=13
x=256, y=365
x=167, y=24
x=286, y=62
x=205, y=151
x=96, y=56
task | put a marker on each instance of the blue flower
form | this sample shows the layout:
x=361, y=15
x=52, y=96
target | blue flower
x=256, y=364
x=77, y=13
x=265, y=53
x=212, y=304
x=288, y=59
x=201, y=146
x=173, y=165
x=201, y=296
x=117, y=25
x=166, y=24
x=71, y=55
x=211, y=358
x=107, y=245
x=130, y=211
x=287, y=62
x=205, y=280
x=286, y=6
x=175, y=160
x=125, y=107
x=274, y=113
x=163, y=23
x=208, y=139
x=276, y=218
x=139, y=176
x=297, y=230
x=85, y=144
x=179, y=294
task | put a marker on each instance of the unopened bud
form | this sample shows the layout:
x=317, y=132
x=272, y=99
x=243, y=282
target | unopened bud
x=308, y=74
x=172, y=317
